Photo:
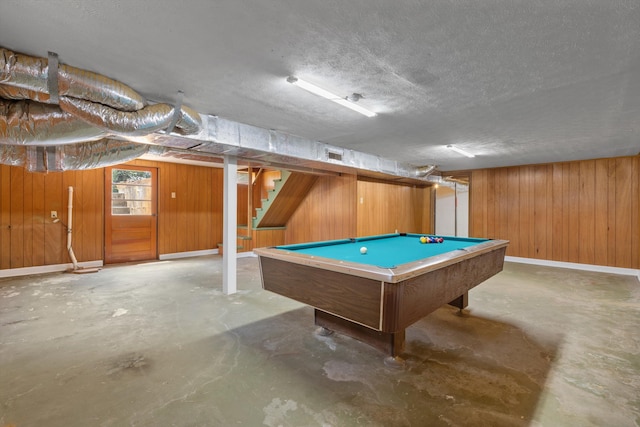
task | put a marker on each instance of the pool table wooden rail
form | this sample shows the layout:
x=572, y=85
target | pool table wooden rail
x=390, y=275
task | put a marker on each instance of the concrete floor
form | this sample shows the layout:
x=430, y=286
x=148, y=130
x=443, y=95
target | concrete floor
x=158, y=344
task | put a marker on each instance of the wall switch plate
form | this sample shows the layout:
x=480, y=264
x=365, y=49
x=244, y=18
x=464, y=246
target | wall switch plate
x=54, y=214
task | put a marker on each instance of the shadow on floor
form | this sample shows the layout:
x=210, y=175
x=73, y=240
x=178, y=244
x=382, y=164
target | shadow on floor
x=460, y=370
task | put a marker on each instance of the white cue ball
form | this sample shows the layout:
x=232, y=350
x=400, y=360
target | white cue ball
x=363, y=250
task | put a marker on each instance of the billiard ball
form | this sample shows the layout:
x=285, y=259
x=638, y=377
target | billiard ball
x=423, y=239
x=363, y=250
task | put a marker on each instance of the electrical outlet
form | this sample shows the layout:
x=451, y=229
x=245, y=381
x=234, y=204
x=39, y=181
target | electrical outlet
x=54, y=214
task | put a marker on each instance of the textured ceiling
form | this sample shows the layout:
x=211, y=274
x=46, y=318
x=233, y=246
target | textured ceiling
x=515, y=82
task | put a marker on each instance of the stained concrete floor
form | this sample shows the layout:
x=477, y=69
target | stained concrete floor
x=159, y=344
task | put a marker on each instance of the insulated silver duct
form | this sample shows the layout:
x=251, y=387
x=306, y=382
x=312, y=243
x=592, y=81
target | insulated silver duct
x=31, y=73
x=92, y=107
x=111, y=107
x=33, y=123
x=88, y=155
x=149, y=119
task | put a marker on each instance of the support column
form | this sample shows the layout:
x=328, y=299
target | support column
x=230, y=226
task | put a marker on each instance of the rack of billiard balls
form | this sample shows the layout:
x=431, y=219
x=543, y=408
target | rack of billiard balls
x=429, y=239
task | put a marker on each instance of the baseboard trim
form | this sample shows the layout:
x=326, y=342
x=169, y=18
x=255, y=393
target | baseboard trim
x=576, y=266
x=249, y=254
x=178, y=255
x=40, y=269
x=188, y=254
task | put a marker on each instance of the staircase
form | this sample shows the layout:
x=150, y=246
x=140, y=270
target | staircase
x=119, y=204
x=283, y=199
x=268, y=224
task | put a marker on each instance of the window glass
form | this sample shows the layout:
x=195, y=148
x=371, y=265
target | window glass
x=131, y=192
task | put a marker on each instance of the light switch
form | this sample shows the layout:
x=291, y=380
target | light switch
x=54, y=214
x=173, y=194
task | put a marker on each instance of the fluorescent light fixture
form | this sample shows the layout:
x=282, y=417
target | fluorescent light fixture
x=330, y=96
x=460, y=151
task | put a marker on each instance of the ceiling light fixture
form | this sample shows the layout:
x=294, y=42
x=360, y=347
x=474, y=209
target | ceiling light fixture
x=460, y=151
x=330, y=96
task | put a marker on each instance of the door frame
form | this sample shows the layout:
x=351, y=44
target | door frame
x=109, y=256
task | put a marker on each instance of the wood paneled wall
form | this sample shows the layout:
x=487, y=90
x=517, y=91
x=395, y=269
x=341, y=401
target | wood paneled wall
x=328, y=212
x=332, y=210
x=267, y=237
x=243, y=204
x=584, y=211
x=387, y=207
x=193, y=220
x=28, y=235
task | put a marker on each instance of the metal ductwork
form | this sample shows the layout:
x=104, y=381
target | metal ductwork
x=105, y=106
x=87, y=155
x=56, y=117
x=273, y=148
x=29, y=122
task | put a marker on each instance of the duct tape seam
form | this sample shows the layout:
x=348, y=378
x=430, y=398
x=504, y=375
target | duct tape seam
x=177, y=112
x=52, y=78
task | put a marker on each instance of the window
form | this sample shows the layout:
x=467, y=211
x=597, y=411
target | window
x=131, y=192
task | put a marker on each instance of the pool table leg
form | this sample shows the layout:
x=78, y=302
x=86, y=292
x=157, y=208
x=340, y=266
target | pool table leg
x=461, y=302
x=391, y=343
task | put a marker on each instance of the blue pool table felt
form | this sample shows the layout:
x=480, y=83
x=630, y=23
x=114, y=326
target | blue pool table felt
x=385, y=251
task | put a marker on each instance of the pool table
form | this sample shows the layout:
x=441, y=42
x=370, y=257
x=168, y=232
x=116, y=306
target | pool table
x=373, y=296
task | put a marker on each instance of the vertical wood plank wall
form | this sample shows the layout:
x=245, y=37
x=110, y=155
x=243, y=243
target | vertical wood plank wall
x=584, y=212
x=328, y=212
x=387, y=207
x=193, y=220
x=28, y=237
x=332, y=210
x=243, y=204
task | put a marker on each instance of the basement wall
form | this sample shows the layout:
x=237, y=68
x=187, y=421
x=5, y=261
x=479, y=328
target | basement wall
x=28, y=237
x=581, y=212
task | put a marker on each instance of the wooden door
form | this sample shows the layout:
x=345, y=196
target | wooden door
x=131, y=222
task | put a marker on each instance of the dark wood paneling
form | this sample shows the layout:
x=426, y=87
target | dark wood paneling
x=635, y=215
x=384, y=207
x=40, y=218
x=5, y=216
x=623, y=211
x=585, y=211
x=600, y=226
x=55, y=242
x=192, y=221
x=17, y=218
x=267, y=237
x=290, y=196
x=328, y=212
x=28, y=236
x=557, y=219
x=513, y=201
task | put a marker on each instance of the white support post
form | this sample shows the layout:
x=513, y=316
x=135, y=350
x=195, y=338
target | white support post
x=230, y=226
